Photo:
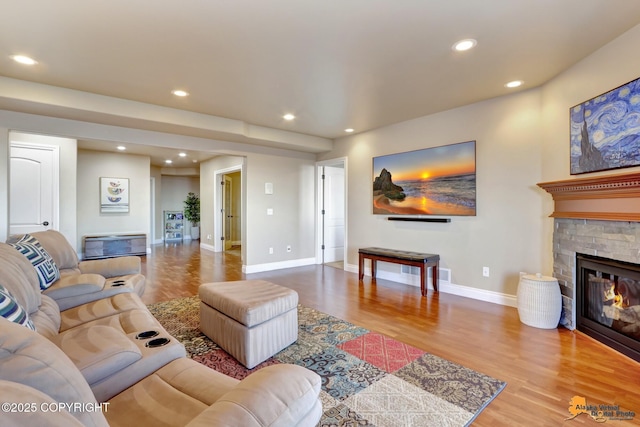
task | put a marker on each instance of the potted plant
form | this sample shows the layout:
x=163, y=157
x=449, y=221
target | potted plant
x=192, y=214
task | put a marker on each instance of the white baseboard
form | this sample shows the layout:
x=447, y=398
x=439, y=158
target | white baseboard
x=207, y=247
x=446, y=287
x=248, y=269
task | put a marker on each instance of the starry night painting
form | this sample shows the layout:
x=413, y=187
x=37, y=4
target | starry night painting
x=605, y=131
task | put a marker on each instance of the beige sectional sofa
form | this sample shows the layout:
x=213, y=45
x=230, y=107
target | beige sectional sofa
x=85, y=281
x=101, y=353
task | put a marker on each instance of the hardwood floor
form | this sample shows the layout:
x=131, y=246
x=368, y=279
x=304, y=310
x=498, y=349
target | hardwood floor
x=543, y=369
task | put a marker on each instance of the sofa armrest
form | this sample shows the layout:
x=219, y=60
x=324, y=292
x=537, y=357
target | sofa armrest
x=277, y=395
x=71, y=285
x=99, y=351
x=112, y=267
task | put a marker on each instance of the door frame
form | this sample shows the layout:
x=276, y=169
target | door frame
x=56, y=178
x=319, y=204
x=218, y=203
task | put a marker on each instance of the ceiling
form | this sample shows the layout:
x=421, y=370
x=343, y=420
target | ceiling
x=359, y=64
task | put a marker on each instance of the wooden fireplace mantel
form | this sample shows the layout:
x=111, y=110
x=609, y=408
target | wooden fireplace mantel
x=610, y=198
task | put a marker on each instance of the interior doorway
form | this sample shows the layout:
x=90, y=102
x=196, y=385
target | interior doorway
x=332, y=212
x=231, y=226
x=228, y=211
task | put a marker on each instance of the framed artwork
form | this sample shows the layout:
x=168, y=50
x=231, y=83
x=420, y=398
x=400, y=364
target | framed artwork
x=605, y=131
x=114, y=195
x=432, y=181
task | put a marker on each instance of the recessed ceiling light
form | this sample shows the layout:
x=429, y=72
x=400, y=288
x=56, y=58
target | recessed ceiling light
x=121, y=147
x=289, y=116
x=465, y=44
x=24, y=60
x=349, y=130
x=515, y=83
x=179, y=92
x=182, y=154
x=168, y=161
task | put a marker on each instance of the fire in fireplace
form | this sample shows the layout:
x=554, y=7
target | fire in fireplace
x=608, y=302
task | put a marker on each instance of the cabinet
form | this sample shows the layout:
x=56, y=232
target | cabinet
x=173, y=226
x=96, y=247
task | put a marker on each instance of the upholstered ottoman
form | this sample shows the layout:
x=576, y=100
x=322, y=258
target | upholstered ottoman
x=250, y=319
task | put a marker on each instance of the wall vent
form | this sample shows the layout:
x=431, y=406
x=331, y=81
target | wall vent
x=444, y=274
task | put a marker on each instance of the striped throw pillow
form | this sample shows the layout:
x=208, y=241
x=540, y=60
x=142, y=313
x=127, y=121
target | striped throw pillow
x=47, y=269
x=11, y=310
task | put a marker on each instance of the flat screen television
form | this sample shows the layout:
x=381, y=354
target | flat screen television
x=432, y=181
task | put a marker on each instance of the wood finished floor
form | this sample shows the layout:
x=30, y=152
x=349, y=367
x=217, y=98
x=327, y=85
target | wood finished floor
x=543, y=369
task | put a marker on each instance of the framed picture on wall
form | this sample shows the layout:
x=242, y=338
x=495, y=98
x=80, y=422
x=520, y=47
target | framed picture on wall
x=605, y=130
x=114, y=195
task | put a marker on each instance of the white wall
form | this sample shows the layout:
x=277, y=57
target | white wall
x=504, y=235
x=611, y=66
x=4, y=183
x=293, y=203
x=522, y=139
x=91, y=166
x=156, y=174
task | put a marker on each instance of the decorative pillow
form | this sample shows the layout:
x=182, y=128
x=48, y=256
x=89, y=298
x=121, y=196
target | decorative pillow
x=11, y=310
x=40, y=259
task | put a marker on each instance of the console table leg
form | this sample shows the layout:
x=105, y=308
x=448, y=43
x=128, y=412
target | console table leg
x=373, y=269
x=360, y=267
x=434, y=274
x=423, y=280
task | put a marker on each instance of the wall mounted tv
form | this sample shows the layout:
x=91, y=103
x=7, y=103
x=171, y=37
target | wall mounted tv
x=431, y=181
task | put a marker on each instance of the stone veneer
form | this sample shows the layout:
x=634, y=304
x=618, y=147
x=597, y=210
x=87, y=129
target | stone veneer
x=619, y=240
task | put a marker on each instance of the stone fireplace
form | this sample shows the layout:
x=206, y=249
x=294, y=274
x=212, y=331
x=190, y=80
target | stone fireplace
x=595, y=217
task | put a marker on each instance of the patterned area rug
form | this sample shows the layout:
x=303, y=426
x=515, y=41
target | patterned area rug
x=368, y=379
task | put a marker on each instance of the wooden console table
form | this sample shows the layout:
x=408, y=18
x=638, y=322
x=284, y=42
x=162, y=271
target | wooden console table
x=415, y=259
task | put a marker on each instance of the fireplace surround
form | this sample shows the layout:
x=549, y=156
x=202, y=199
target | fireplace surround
x=595, y=217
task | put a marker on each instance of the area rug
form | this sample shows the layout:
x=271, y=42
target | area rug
x=368, y=379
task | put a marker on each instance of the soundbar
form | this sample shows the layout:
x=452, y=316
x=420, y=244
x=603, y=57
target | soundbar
x=416, y=219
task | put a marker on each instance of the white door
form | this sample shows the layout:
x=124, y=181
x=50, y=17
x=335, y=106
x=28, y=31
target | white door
x=33, y=187
x=333, y=214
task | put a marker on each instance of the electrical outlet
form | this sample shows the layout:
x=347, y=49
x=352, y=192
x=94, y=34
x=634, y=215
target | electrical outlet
x=289, y=248
x=485, y=271
x=270, y=251
x=208, y=236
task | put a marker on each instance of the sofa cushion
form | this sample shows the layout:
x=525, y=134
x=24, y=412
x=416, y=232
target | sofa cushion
x=32, y=402
x=276, y=396
x=47, y=318
x=58, y=247
x=99, y=351
x=72, y=285
x=171, y=396
x=11, y=310
x=19, y=277
x=40, y=259
x=28, y=358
